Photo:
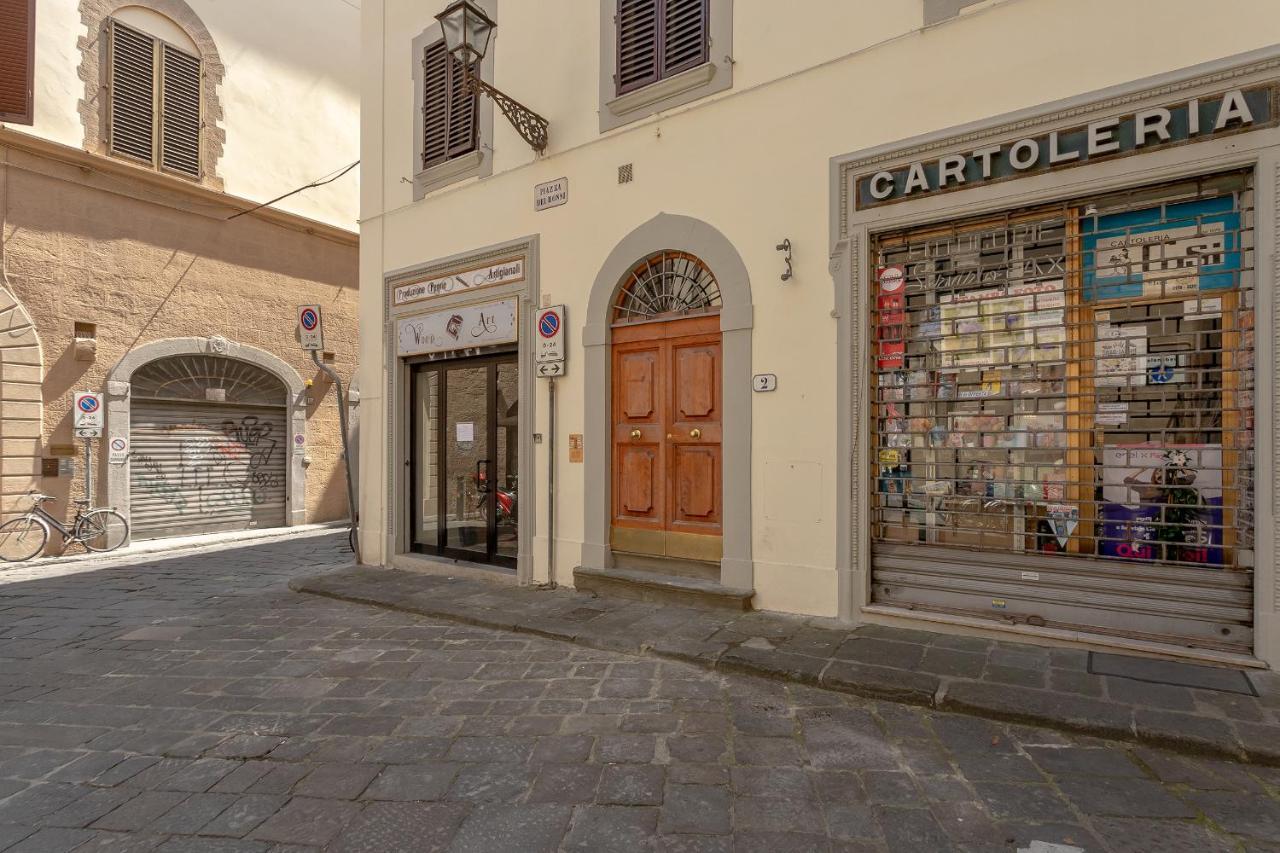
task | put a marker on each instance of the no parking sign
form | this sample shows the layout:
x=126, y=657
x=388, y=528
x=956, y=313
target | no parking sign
x=88, y=414
x=310, y=329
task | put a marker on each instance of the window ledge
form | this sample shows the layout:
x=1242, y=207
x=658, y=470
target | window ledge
x=685, y=81
x=450, y=170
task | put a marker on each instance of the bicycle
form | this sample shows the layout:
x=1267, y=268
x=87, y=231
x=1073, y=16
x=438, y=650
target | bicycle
x=97, y=529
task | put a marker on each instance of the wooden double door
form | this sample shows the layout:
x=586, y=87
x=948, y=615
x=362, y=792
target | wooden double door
x=667, y=431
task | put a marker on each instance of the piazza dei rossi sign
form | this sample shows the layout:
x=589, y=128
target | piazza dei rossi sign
x=1183, y=122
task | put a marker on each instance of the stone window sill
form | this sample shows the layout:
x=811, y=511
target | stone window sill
x=447, y=172
x=682, y=83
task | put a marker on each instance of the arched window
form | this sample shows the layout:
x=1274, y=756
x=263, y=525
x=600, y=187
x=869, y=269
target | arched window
x=154, y=76
x=207, y=378
x=667, y=284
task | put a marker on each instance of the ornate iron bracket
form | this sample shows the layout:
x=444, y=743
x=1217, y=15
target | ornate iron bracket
x=531, y=126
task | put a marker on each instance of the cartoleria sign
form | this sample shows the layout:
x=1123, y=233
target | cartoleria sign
x=1192, y=120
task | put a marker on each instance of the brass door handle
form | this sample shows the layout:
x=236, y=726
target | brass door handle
x=635, y=433
x=695, y=433
x=670, y=436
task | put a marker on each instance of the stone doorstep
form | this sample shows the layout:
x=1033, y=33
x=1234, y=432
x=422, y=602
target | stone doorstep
x=539, y=615
x=661, y=588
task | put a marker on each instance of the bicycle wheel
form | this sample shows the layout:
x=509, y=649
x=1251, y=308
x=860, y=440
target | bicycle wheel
x=102, y=530
x=22, y=539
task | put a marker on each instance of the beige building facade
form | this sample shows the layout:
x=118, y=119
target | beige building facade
x=916, y=317
x=137, y=264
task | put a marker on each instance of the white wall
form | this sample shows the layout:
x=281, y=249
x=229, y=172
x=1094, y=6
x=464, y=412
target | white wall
x=290, y=96
x=754, y=163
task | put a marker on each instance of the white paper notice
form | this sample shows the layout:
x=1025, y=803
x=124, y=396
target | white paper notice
x=1112, y=414
x=466, y=431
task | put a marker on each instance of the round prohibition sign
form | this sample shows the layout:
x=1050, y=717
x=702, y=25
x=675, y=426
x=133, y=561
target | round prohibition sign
x=119, y=444
x=309, y=319
x=549, y=324
x=88, y=404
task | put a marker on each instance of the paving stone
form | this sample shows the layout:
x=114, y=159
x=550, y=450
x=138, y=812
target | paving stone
x=697, y=809
x=1019, y=802
x=1142, y=835
x=485, y=783
x=384, y=827
x=139, y=811
x=512, y=829
x=57, y=840
x=209, y=845
x=244, y=815
x=1131, y=692
x=611, y=829
x=1253, y=816
x=1186, y=730
x=199, y=776
x=770, y=814
x=337, y=781
x=1099, y=795
x=911, y=829
x=1085, y=762
x=950, y=662
x=631, y=785
x=32, y=803
x=565, y=783
x=412, y=782
x=188, y=817
x=307, y=821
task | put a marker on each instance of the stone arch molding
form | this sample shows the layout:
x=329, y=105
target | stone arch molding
x=93, y=72
x=119, y=419
x=21, y=403
x=682, y=233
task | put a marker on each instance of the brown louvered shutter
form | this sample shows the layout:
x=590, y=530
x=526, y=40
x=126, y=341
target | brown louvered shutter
x=179, y=111
x=17, y=60
x=638, y=42
x=450, y=113
x=684, y=35
x=132, y=95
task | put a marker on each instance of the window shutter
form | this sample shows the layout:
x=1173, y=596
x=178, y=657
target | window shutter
x=638, y=40
x=179, y=111
x=684, y=35
x=435, y=105
x=17, y=60
x=450, y=113
x=464, y=108
x=132, y=103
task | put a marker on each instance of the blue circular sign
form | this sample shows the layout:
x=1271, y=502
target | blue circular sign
x=88, y=404
x=309, y=319
x=549, y=324
x=1160, y=374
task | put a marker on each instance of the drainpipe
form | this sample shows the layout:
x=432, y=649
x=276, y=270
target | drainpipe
x=346, y=449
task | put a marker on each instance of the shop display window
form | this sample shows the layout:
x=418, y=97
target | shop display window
x=1073, y=379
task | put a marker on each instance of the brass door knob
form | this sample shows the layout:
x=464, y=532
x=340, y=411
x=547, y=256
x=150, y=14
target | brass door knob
x=695, y=433
x=635, y=433
x=670, y=436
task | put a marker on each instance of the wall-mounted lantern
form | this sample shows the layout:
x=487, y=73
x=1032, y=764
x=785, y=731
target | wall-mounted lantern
x=467, y=31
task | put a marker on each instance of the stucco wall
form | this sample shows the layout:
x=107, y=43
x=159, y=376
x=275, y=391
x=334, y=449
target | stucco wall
x=145, y=264
x=302, y=88
x=752, y=162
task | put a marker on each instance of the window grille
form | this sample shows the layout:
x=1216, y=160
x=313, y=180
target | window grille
x=450, y=112
x=666, y=285
x=1071, y=379
x=659, y=39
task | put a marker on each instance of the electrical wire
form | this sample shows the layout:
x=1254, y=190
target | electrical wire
x=316, y=183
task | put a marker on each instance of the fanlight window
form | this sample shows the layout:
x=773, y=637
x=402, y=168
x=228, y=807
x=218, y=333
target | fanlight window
x=667, y=284
x=207, y=379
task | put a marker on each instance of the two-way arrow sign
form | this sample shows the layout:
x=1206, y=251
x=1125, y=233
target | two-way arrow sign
x=551, y=368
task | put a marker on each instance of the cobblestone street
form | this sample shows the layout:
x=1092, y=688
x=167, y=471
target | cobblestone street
x=191, y=702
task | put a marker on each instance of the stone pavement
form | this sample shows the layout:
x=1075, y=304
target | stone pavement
x=192, y=704
x=1008, y=681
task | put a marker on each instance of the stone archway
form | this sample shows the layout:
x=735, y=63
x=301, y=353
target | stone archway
x=119, y=419
x=681, y=233
x=21, y=404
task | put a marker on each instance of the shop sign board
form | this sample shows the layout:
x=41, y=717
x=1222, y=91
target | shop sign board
x=88, y=418
x=1162, y=251
x=1191, y=120
x=462, y=327
x=310, y=329
x=502, y=272
x=551, y=194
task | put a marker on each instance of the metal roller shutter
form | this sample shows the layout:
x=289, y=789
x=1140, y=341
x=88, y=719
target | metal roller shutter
x=204, y=468
x=1063, y=419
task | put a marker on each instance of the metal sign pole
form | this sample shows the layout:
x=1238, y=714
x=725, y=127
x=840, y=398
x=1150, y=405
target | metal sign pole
x=88, y=470
x=346, y=449
x=551, y=483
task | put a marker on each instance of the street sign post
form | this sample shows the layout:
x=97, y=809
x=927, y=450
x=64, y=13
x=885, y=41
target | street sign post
x=88, y=418
x=550, y=343
x=310, y=327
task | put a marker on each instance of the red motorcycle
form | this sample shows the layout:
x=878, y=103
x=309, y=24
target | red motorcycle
x=504, y=499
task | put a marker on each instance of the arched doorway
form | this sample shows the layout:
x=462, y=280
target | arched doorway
x=209, y=443
x=667, y=412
